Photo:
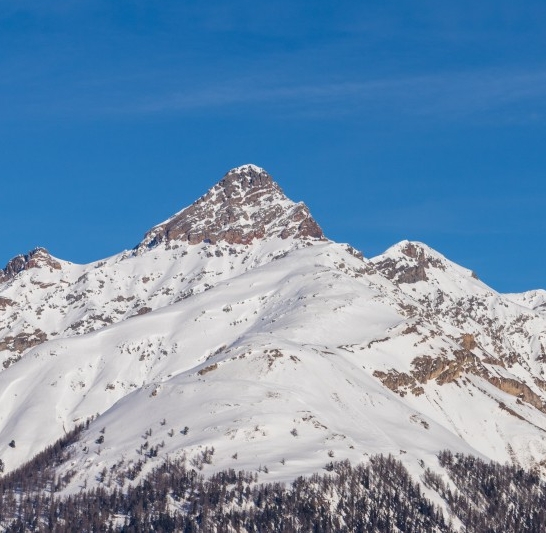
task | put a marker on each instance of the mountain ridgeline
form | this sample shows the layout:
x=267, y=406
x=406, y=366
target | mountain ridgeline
x=237, y=345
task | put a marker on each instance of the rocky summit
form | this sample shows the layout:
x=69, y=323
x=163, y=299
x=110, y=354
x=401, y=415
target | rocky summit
x=245, y=205
x=37, y=258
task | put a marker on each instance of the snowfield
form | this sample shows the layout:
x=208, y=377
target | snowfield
x=278, y=355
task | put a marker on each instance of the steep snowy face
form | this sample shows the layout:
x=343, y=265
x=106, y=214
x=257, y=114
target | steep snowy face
x=535, y=300
x=43, y=297
x=450, y=294
x=499, y=338
x=245, y=205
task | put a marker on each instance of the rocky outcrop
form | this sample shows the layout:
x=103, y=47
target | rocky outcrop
x=426, y=368
x=445, y=370
x=399, y=382
x=37, y=258
x=468, y=341
x=413, y=269
x=518, y=389
x=22, y=341
x=6, y=303
x=245, y=205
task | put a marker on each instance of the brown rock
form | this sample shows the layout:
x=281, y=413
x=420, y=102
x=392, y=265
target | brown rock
x=23, y=341
x=521, y=390
x=5, y=303
x=245, y=205
x=412, y=271
x=37, y=258
x=468, y=342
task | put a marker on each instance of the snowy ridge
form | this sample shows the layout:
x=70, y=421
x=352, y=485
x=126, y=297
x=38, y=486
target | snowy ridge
x=236, y=325
x=535, y=300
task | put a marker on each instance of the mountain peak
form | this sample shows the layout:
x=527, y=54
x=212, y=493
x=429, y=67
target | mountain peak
x=410, y=262
x=246, y=179
x=246, y=204
x=248, y=168
x=37, y=258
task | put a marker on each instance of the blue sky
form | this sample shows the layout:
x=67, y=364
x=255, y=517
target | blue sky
x=391, y=120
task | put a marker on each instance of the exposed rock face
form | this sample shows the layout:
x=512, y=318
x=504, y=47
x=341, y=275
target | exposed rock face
x=245, y=205
x=6, y=303
x=20, y=343
x=468, y=341
x=445, y=370
x=442, y=369
x=412, y=270
x=37, y=258
x=519, y=389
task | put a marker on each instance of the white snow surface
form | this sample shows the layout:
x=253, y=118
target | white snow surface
x=268, y=352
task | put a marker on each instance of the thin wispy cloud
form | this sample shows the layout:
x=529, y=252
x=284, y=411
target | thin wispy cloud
x=443, y=95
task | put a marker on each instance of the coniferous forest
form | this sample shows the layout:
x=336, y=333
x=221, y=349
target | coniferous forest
x=380, y=495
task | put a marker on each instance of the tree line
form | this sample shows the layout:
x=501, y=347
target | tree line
x=377, y=496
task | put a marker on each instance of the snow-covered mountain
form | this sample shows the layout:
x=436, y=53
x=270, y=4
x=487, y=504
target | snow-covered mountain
x=236, y=334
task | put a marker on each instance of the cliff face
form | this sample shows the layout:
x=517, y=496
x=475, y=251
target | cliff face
x=245, y=205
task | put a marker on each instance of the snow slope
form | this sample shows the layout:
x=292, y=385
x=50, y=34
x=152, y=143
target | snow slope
x=236, y=335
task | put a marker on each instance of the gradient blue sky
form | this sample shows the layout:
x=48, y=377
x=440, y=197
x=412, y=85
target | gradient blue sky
x=391, y=120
